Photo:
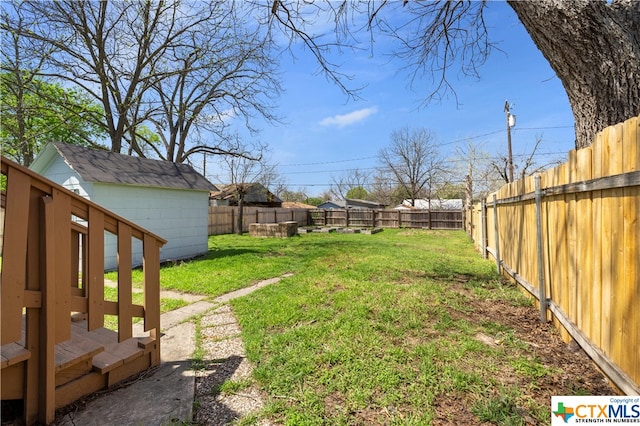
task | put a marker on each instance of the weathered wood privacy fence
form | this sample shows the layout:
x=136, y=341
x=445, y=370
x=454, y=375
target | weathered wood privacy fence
x=571, y=237
x=429, y=219
x=55, y=348
x=222, y=219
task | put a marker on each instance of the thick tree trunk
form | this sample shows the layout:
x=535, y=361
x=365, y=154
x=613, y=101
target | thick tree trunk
x=594, y=48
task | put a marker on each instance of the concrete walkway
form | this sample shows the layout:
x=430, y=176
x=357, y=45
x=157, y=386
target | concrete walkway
x=164, y=395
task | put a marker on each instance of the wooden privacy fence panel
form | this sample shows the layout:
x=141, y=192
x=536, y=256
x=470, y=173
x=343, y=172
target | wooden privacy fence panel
x=361, y=218
x=583, y=258
x=222, y=219
x=53, y=281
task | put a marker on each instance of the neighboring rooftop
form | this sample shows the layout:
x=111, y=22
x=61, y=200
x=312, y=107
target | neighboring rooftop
x=96, y=165
x=255, y=194
x=434, y=204
x=297, y=205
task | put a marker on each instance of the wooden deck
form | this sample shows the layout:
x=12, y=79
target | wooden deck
x=54, y=347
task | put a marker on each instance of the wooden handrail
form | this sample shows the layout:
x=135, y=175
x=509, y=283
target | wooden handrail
x=53, y=266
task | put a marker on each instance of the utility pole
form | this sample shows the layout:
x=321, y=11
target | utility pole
x=511, y=121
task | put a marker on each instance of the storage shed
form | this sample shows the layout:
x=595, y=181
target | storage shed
x=169, y=199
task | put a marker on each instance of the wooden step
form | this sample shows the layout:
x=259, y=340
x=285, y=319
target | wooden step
x=13, y=353
x=13, y=356
x=115, y=353
x=74, y=358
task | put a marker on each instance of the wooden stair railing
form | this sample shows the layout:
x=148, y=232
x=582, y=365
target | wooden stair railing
x=53, y=272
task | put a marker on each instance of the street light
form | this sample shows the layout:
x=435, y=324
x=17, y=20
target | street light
x=511, y=121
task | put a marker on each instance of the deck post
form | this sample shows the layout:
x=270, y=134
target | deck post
x=14, y=261
x=47, y=386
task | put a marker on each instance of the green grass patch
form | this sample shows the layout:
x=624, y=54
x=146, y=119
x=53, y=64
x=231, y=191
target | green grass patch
x=375, y=329
x=233, y=262
x=111, y=294
x=370, y=329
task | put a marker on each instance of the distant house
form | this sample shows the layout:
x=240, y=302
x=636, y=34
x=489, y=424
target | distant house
x=351, y=203
x=434, y=204
x=168, y=199
x=297, y=205
x=328, y=205
x=257, y=195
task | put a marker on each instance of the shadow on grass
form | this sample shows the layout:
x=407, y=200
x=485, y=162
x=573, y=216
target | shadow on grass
x=229, y=252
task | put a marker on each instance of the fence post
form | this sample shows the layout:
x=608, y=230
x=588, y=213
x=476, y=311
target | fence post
x=495, y=226
x=541, y=286
x=483, y=230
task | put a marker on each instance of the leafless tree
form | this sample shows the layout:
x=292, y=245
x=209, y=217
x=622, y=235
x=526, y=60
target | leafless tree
x=181, y=67
x=355, y=178
x=592, y=45
x=477, y=165
x=218, y=75
x=243, y=171
x=527, y=166
x=414, y=162
x=270, y=178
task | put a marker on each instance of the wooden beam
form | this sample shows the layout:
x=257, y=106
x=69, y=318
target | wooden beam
x=95, y=273
x=619, y=377
x=151, y=266
x=124, y=282
x=47, y=384
x=62, y=255
x=14, y=260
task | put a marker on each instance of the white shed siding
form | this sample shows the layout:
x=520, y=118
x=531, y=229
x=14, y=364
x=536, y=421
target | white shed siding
x=177, y=215
x=60, y=172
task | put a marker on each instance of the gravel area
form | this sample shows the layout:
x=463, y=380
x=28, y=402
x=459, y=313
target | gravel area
x=224, y=361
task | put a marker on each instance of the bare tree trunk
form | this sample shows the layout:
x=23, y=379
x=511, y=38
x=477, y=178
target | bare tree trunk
x=594, y=48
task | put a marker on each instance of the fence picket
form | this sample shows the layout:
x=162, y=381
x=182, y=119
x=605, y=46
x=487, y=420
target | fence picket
x=584, y=244
x=591, y=252
x=221, y=218
x=630, y=315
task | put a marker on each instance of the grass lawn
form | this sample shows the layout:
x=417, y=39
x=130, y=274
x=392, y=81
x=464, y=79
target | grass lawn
x=369, y=331
x=233, y=262
x=166, y=305
x=401, y=327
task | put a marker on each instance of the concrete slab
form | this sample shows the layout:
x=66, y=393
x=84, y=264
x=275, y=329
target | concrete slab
x=247, y=290
x=164, y=397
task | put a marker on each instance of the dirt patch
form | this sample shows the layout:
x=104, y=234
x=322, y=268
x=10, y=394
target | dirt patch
x=572, y=372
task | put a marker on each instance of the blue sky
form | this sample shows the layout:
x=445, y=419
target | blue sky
x=324, y=133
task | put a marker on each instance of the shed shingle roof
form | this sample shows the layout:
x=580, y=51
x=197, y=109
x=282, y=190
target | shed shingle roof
x=95, y=165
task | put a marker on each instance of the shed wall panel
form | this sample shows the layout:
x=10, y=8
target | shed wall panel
x=179, y=216
x=60, y=172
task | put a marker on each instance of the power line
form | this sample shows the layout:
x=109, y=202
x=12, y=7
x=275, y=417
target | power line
x=440, y=144
x=327, y=162
x=454, y=160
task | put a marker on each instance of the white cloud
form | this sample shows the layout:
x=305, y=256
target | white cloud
x=342, y=120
